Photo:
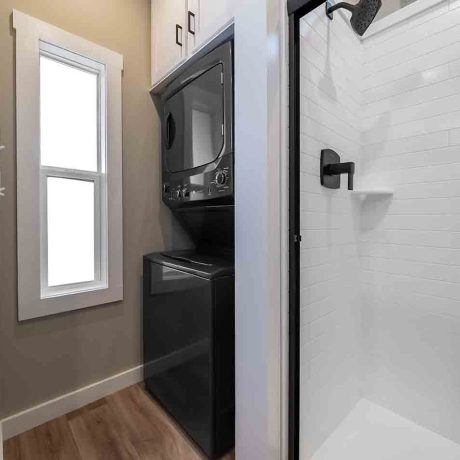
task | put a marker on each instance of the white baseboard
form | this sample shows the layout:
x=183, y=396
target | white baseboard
x=30, y=418
x=1, y=441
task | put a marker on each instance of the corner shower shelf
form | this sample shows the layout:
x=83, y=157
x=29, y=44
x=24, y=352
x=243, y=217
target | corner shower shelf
x=373, y=192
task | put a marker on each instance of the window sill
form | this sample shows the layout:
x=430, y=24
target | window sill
x=60, y=291
x=68, y=302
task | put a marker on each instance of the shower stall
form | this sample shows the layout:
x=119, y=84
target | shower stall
x=374, y=271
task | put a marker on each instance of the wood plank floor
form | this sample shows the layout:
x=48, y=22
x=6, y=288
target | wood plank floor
x=128, y=425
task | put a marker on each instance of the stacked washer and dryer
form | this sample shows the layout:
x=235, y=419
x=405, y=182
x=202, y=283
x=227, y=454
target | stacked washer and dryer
x=188, y=305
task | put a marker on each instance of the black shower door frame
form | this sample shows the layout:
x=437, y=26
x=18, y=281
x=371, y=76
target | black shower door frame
x=296, y=10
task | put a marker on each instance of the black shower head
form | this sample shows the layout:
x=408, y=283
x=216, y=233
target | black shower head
x=362, y=14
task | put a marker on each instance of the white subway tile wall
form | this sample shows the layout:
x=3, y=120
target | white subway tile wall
x=380, y=276
x=410, y=246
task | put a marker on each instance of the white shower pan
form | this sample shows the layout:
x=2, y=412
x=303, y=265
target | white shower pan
x=371, y=432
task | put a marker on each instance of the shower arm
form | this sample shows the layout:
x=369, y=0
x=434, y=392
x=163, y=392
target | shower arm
x=337, y=6
x=331, y=8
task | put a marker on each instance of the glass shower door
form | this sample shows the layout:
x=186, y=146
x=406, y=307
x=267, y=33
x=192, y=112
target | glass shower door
x=379, y=284
x=330, y=297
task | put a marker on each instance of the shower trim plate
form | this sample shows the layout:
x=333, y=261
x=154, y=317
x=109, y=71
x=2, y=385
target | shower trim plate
x=329, y=157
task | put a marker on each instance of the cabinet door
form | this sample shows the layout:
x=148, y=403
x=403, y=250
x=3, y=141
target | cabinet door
x=205, y=18
x=169, y=36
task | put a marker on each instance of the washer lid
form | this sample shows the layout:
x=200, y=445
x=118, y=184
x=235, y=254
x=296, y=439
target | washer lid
x=203, y=265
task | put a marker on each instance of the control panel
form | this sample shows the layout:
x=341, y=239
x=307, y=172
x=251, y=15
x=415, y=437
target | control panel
x=216, y=181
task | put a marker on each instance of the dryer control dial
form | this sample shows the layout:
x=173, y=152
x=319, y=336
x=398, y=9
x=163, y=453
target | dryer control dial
x=221, y=177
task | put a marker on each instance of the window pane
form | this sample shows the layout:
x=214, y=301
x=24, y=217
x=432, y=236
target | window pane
x=70, y=231
x=68, y=116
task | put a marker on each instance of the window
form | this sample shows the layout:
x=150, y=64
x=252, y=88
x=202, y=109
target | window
x=72, y=168
x=68, y=98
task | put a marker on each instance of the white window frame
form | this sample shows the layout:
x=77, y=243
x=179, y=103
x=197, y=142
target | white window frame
x=98, y=178
x=35, y=298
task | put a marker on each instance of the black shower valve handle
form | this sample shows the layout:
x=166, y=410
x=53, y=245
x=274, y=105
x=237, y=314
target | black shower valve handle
x=331, y=169
x=341, y=168
x=351, y=176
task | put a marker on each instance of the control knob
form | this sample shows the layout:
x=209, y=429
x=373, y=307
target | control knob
x=221, y=178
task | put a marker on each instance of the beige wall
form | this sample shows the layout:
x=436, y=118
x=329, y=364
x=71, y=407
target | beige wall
x=44, y=358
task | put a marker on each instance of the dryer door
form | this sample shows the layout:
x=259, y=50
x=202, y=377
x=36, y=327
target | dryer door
x=194, y=119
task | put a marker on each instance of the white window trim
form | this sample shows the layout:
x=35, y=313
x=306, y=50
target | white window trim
x=30, y=36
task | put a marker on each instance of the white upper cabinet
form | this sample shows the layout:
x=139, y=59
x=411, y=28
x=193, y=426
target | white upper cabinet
x=169, y=36
x=204, y=19
x=180, y=27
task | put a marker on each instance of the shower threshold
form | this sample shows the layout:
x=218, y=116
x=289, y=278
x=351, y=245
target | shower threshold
x=371, y=432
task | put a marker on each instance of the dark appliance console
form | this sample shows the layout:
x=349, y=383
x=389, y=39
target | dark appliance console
x=189, y=344
x=215, y=181
x=189, y=296
x=196, y=112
